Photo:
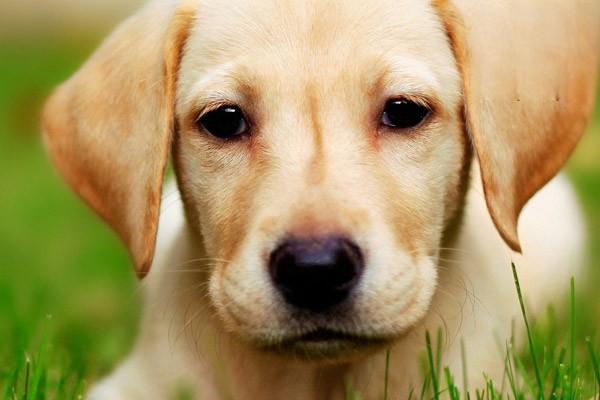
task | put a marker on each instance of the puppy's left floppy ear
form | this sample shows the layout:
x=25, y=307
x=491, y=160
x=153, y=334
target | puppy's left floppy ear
x=108, y=129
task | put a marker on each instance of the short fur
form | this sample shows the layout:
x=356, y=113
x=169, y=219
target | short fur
x=513, y=79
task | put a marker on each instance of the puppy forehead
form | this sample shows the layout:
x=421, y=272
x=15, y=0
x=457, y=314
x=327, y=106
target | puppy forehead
x=300, y=37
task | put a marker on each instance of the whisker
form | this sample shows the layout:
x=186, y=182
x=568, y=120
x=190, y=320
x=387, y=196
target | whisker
x=450, y=260
x=199, y=260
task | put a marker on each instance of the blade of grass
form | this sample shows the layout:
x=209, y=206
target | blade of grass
x=452, y=390
x=478, y=395
x=524, y=374
x=37, y=380
x=10, y=383
x=594, y=365
x=80, y=389
x=349, y=388
x=387, y=375
x=438, y=353
x=510, y=373
x=556, y=381
x=463, y=359
x=572, y=341
x=27, y=373
x=424, y=387
x=536, y=369
x=434, y=380
x=564, y=379
x=546, y=356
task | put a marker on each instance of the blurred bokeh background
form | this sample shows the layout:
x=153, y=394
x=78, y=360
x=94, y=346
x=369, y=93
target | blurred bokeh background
x=67, y=294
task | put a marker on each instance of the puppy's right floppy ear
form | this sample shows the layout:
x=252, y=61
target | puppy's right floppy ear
x=529, y=70
x=108, y=129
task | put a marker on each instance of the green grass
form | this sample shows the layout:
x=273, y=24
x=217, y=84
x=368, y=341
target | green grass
x=68, y=303
x=526, y=374
x=539, y=372
x=67, y=294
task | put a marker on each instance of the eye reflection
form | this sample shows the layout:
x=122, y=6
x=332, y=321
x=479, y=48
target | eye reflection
x=403, y=114
x=225, y=123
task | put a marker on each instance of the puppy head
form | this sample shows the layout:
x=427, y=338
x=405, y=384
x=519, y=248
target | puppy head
x=320, y=147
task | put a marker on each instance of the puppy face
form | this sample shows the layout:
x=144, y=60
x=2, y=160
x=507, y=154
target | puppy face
x=344, y=126
x=319, y=145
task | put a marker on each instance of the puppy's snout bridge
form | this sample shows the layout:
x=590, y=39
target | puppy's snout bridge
x=315, y=273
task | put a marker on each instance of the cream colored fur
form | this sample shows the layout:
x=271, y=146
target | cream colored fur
x=181, y=346
x=434, y=209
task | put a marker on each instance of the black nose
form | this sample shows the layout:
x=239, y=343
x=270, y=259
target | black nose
x=316, y=273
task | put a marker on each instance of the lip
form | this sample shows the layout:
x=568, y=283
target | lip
x=327, y=335
x=324, y=343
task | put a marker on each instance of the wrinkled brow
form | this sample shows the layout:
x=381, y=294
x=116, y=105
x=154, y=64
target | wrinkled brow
x=229, y=83
x=408, y=78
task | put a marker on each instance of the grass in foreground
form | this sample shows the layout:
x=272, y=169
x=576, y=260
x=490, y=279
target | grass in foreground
x=556, y=364
x=547, y=369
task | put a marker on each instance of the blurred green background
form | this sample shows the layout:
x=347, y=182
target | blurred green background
x=67, y=291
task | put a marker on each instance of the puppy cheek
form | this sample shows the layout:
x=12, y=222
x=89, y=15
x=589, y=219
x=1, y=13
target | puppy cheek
x=427, y=283
x=218, y=299
x=225, y=296
x=418, y=307
x=243, y=299
x=399, y=300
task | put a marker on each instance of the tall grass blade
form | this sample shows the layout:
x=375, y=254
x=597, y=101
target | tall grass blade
x=387, y=375
x=536, y=369
x=463, y=359
x=10, y=384
x=438, y=353
x=556, y=381
x=572, y=341
x=594, y=359
x=432, y=368
x=478, y=395
x=510, y=373
x=452, y=389
x=524, y=374
x=425, y=386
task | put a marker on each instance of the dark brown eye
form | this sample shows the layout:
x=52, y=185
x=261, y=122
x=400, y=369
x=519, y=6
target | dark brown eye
x=403, y=114
x=226, y=122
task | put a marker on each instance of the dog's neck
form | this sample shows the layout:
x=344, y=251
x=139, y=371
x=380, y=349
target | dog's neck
x=232, y=369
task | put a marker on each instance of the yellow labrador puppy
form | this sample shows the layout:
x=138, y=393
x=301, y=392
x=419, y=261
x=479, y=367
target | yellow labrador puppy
x=350, y=174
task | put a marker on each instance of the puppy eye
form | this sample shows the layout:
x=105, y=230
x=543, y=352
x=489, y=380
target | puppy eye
x=403, y=114
x=226, y=122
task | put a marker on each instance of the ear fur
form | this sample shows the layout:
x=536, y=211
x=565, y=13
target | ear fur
x=108, y=129
x=529, y=71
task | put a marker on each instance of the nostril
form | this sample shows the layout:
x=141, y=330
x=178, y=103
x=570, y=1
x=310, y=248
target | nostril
x=316, y=273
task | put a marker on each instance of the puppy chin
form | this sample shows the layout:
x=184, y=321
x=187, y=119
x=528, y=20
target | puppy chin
x=323, y=346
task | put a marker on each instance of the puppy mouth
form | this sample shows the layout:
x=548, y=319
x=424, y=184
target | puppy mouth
x=325, y=343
